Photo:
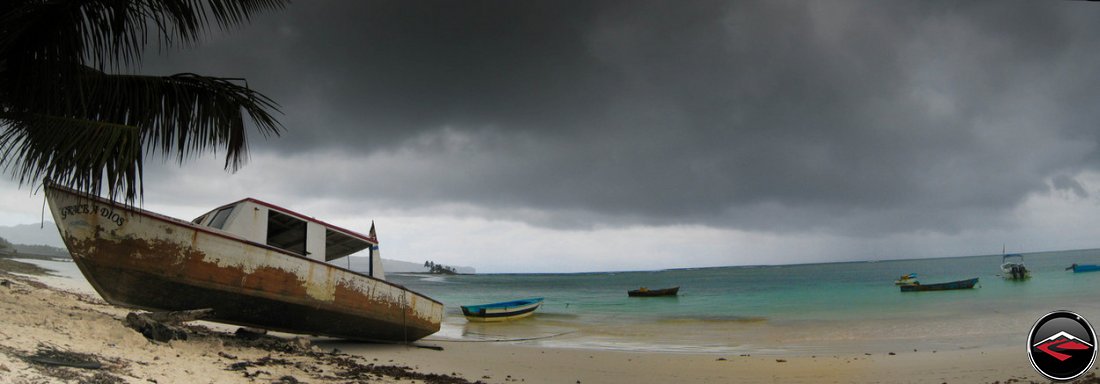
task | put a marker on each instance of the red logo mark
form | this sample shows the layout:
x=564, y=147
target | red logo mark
x=1061, y=341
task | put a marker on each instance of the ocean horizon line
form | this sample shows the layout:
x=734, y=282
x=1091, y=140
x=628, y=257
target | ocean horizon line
x=750, y=266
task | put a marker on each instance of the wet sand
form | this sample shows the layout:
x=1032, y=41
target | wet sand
x=38, y=319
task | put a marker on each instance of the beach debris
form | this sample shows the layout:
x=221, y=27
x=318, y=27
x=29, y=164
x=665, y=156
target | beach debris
x=164, y=326
x=891, y=354
x=250, y=333
x=255, y=374
x=227, y=356
x=177, y=317
x=780, y=361
x=154, y=330
x=5, y=283
x=48, y=355
x=263, y=361
x=103, y=378
x=720, y=359
x=431, y=347
x=303, y=343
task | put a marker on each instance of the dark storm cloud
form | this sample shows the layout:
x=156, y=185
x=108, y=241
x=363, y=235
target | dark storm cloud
x=850, y=117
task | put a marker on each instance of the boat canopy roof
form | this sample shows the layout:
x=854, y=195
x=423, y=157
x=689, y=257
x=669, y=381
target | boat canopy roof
x=285, y=229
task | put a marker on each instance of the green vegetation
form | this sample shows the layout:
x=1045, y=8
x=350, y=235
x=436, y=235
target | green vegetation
x=439, y=269
x=65, y=118
x=23, y=251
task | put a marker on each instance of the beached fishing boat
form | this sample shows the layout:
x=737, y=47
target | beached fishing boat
x=646, y=292
x=961, y=284
x=502, y=311
x=1012, y=267
x=253, y=263
x=907, y=279
x=1079, y=268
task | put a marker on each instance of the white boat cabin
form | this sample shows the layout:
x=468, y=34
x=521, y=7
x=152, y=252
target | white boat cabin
x=264, y=223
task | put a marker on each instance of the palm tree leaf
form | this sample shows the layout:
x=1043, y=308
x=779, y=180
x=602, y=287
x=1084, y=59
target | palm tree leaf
x=84, y=154
x=182, y=114
x=112, y=32
x=61, y=117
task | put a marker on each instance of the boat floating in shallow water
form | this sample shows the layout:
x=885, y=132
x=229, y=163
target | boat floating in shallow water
x=502, y=311
x=255, y=264
x=1012, y=267
x=961, y=284
x=646, y=292
x=1079, y=268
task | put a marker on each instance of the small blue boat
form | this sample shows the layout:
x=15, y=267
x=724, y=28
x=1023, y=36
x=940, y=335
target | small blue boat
x=1078, y=268
x=502, y=311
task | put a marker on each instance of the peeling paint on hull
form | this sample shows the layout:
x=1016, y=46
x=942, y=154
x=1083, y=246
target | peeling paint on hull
x=141, y=259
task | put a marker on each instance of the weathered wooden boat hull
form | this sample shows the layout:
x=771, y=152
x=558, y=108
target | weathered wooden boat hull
x=503, y=311
x=140, y=259
x=961, y=284
x=654, y=292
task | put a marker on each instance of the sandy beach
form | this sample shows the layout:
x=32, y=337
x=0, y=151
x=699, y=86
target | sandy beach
x=40, y=320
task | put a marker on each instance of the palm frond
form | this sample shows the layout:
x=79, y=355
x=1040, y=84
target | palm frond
x=188, y=113
x=184, y=114
x=63, y=118
x=84, y=154
x=105, y=33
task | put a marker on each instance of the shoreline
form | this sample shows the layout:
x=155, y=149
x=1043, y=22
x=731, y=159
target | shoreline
x=36, y=315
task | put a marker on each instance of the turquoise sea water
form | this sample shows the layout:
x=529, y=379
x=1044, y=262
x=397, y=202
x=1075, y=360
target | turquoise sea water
x=809, y=307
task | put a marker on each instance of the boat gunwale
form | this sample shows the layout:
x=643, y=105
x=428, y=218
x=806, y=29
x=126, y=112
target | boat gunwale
x=481, y=312
x=944, y=286
x=502, y=304
x=227, y=235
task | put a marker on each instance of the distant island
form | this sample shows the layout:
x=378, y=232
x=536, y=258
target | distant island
x=439, y=269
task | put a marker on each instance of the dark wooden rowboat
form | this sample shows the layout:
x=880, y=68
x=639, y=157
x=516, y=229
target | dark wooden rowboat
x=961, y=284
x=643, y=292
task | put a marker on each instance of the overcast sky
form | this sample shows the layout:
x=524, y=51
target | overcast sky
x=538, y=136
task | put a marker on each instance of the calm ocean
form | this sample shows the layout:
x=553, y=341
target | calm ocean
x=808, y=307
